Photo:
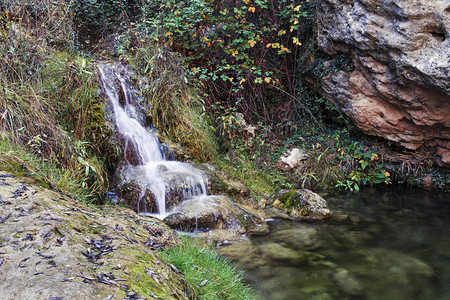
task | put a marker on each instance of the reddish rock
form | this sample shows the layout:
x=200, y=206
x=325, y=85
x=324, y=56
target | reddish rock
x=399, y=88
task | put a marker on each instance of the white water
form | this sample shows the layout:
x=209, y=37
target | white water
x=148, y=145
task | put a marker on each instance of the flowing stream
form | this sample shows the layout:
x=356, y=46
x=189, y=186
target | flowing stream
x=153, y=170
x=380, y=244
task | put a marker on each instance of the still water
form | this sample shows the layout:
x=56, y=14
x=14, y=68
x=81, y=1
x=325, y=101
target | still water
x=379, y=244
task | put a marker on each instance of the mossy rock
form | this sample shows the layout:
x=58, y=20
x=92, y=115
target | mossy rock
x=50, y=235
x=301, y=204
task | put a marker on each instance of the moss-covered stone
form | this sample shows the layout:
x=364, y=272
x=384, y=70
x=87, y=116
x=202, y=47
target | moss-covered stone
x=302, y=204
x=52, y=235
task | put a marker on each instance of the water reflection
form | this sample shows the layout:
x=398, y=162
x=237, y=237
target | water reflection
x=380, y=244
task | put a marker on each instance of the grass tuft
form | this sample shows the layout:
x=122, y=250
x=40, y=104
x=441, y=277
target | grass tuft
x=213, y=276
x=175, y=108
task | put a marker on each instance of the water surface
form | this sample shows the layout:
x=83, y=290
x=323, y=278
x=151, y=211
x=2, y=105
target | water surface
x=380, y=244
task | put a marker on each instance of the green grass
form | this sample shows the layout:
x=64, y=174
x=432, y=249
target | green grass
x=18, y=161
x=213, y=276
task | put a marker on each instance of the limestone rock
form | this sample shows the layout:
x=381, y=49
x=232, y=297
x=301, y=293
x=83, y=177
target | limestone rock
x=222, y=183
x=55, y=247
x=302, y=204
x=399, y=88
x=209, y=212
x=291, y=159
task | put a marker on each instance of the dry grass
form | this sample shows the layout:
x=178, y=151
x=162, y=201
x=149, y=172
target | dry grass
x=175, y=108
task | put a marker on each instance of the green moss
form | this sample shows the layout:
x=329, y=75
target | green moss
x=289, y=200
x=153, y=279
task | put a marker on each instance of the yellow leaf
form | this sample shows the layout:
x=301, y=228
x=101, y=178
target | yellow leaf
x=267, y=79
x=268, y=45
x=177, y=12
x=252, y=43
x=297, y=8
x=251, y=9
x=231, y=79
x=296, y=41
x=386, y=174
x=242, y=81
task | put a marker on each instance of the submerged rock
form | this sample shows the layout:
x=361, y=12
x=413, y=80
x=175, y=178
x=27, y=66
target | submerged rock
x=347, y=282
x=277, y=252
x=299, y=238
x=301, y=204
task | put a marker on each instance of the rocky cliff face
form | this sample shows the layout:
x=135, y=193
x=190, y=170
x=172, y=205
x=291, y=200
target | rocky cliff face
x=400, y=87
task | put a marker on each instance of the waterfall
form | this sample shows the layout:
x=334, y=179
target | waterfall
x=155, y=172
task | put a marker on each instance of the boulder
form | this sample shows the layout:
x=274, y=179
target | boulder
x=222, y=183
x=209, y=212
x=399, y=88
x=301, y=204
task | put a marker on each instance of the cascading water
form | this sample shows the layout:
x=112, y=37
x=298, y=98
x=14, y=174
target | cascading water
x=153, y=172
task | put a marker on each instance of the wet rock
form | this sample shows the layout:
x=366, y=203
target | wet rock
x=135, y=187
x=209, y=212
x=277, y=252
x=302, y=204
x=219, y=236
x=235, y=249
x=259, y=230
x=299, y=238
x=347, y=282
